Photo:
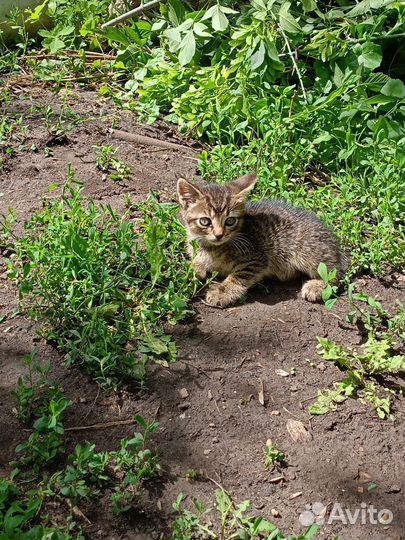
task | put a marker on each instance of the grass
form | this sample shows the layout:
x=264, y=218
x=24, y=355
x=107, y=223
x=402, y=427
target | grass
x=102, y=283
x=273, y=456
x=367, y=373
x=236, y=521
x=108, y=162
x=34, y=484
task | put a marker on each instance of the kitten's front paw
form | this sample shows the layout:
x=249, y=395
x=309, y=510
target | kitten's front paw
x=217, y=296
x=312, y=290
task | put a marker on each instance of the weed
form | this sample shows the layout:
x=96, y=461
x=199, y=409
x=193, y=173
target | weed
x=86, y=474
x=135, y=463
x=33, y=395
x=103, y=284
x=58, y=123
x=44, y=444
x=375, y=360
x=273, y=456
x=107, y=161
x=234, y=519
x=191, y=475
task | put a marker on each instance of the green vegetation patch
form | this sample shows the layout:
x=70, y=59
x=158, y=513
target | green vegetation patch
x=102, y=283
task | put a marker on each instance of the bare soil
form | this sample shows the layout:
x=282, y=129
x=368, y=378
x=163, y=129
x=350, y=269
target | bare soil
x=225, y=358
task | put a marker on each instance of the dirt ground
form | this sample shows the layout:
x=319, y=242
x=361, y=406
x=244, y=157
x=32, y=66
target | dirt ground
x=225, y=358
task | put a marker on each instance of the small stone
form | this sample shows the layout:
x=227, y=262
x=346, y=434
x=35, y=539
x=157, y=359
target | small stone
x=184, y=393
x=282, y=373
x=321, y=366
x=209, y=394
x=182, y=416
x=275, y=413
x=211, y=425
x=294, y=388
x=184, y=406
x=215, y=440
x=207, y=452
x=275, y=513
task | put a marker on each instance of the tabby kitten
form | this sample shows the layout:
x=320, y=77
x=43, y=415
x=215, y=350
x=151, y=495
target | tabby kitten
x=246, y=242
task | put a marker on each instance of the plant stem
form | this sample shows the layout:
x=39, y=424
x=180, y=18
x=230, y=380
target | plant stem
x=291, y=54
x=132, y=13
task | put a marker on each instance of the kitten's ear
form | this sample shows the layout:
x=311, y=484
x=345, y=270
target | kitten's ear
x=187, y=193
x=243, y=185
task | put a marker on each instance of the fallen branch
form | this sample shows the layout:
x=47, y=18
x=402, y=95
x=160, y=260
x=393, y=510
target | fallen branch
x=132, y=13
x=147, y=141
x=90, y=55
x=103, y=425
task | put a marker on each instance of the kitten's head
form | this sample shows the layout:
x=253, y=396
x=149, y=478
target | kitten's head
x=213, y=213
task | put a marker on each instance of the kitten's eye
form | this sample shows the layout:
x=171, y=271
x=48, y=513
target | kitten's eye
x=230, y=221
x=204, y=221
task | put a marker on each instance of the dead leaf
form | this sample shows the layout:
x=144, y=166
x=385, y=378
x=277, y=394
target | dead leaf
x=295, y=495
x=276, y=479
x=282, y=373
x=364, y=477
x=298, y=431
x=261, y=393
x=184, y=393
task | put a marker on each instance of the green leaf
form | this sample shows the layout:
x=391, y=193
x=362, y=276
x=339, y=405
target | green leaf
x=154, y=344
x=327, y=292
x=66, y=31
x=176, y=12
x=36, y=14
x=272, y=52
x=158, y=25
x=378, y=4
x=359, y=9
x=187, y=48
x=323, y=271
x=394, y=88
x=200, y=29
x=287, y=21
x=309, y=5
x=219, y=20
x=257, y=58
x=371, y=55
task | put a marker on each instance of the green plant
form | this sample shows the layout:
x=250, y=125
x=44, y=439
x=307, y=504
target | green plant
x=101, y=284
x=107, y=161
x=44, y=444
x=234, y=519
x=359, y=302
x=135, y=463
x=191, y=475
x=23, y=512
x=273, y=456
x=375, y=360
x=33, y=395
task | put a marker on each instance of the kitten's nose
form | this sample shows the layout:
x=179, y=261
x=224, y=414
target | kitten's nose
x=219, y=236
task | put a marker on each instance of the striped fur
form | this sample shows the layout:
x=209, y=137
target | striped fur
x=246, y=242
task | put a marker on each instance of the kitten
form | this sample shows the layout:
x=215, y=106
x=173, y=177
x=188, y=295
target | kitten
x=246, y=242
